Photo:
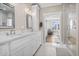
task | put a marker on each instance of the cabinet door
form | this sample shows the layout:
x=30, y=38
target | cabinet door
x=36, y=43
x=17, y=52
x=17, y=43
x=4, y=50
x=28, y=48
x=17, y=47
x=28, y=51
x=21, y=47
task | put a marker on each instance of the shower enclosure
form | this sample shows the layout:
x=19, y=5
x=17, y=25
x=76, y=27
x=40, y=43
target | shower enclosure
x=69, y=25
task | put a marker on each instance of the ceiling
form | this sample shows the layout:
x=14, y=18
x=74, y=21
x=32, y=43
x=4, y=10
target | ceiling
x=43, y=5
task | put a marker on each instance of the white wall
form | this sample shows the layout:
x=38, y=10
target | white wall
x=20, y=17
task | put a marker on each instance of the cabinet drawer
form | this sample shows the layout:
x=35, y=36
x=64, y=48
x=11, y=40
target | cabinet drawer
x=18, y=43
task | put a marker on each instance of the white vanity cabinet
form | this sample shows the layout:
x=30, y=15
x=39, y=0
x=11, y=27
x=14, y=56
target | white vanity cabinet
x=28, y=49
x=17, y=52
x=4, y=50
x=25, y=45
x=22, y=47
x=17, y=47
x=36, y=43
x=32, y=45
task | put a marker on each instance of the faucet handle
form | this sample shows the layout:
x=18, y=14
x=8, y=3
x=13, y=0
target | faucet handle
x=11, y=32
x=7, y=33
x=14, y=32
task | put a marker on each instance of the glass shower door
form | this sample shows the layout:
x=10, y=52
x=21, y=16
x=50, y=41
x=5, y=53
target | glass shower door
x=72, y=29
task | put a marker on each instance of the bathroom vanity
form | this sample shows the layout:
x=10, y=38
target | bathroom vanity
x=21, y=44
x=24, y=44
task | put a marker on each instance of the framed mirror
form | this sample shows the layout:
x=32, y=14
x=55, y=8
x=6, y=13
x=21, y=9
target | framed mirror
x=7, y=16
x=29, y=21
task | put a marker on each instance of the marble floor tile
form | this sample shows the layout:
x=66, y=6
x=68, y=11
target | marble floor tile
x=54, y=49
x=46, y=50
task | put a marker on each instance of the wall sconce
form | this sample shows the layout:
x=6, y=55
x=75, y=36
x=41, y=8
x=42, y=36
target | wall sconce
x=28, y=11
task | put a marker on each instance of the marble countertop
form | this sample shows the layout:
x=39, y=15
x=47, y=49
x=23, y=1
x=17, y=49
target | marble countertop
x=4, y=38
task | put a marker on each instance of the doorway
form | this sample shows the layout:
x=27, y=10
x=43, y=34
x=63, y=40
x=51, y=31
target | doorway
x=52, y=28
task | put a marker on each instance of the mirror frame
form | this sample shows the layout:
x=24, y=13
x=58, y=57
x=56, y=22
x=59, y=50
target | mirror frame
x=28, y=21
x=13, y=16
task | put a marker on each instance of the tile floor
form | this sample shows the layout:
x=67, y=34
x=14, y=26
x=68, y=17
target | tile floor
x=53, y=49
x=49, y=49
x=46, y=50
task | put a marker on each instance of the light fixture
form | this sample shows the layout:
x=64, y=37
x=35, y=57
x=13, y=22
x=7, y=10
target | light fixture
x=26, y=10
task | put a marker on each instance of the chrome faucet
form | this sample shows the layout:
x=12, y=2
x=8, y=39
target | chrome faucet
x=11, y=32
